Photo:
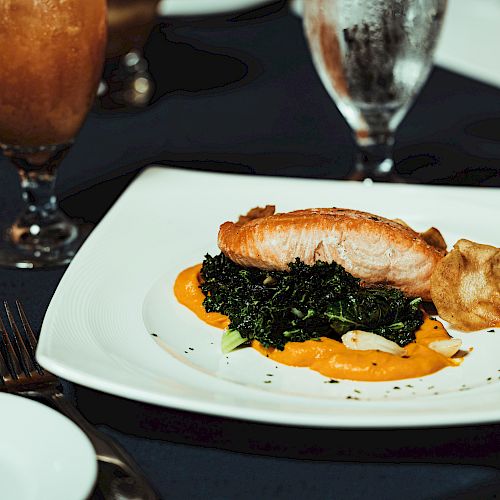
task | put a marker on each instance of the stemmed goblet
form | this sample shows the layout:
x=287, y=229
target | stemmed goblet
x=50, y=63
x=127, y=83
x=373, y=57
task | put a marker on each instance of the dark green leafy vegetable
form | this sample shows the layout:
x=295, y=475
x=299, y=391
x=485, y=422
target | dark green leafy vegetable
x=307, y=302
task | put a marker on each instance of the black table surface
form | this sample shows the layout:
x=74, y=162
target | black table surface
x=238, y=93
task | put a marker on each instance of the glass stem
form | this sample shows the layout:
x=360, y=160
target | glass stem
x=41, y=225
x=37, y=186
x=38, y=193
x=374, y=158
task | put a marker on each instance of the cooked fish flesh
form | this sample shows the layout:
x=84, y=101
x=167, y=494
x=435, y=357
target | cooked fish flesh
x=372, y=248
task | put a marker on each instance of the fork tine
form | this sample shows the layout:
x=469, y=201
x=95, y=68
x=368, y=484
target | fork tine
x=4, y=370
x=14, y=366
x=26, y=356
x=30, y=335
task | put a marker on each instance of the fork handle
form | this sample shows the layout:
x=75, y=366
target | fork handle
x=133, y=484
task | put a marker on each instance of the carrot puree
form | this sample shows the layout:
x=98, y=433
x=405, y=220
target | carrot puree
x=187, y=291
x=327, y=356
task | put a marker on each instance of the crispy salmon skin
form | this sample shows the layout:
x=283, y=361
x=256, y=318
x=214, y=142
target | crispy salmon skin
x=372, y=248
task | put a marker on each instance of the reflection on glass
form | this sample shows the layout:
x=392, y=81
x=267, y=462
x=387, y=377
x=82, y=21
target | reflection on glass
x=373, y=57
x=50, y=63
x=127, y=81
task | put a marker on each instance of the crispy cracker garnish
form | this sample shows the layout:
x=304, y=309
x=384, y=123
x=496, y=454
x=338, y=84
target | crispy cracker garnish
x=465, y=286
x=432, y=236
x=256, y=213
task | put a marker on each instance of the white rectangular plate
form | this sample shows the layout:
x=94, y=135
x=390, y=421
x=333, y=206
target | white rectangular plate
x=118, y=291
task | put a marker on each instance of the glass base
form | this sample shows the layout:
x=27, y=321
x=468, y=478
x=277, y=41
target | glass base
x=12, y=256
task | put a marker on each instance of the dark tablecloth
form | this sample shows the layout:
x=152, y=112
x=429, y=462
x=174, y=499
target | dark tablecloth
x=238, y=93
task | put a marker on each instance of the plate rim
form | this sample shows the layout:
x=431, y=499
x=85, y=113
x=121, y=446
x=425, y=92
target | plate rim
x=180, y=8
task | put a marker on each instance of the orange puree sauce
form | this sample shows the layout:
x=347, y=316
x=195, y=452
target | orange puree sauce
x=330, y=357
x=187, y=291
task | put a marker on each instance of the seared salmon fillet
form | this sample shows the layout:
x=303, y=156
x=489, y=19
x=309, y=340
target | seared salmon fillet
x=372, y=248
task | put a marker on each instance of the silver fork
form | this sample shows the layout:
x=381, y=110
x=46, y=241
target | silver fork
x=21, y=374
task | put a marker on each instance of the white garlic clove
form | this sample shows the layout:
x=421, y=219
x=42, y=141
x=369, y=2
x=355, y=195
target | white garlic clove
x=365, y=341
x=446, y=347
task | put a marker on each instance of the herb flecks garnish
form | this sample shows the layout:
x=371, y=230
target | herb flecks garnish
x=304, y=303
